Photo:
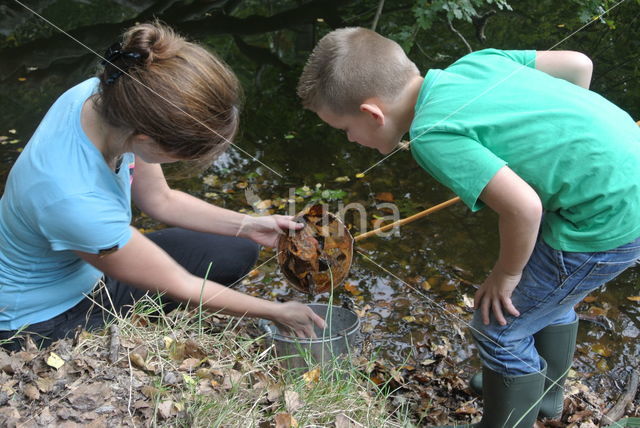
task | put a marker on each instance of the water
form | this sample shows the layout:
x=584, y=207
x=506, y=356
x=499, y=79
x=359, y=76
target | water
x=405, y=288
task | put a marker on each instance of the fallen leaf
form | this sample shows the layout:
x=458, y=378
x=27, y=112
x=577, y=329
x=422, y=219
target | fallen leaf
x=166, y=410
x=601, y=349
x=137, y=361
x=55, y=361
x=468, y=301
x=343, y=421
x=596, y=311
x=31, y=392
x=211, y=180
x=45, y=384
x=188, y=379
x=360, y=175
x=150, y=391
x=385, y=197
x=312, y=375
x=285, y=420
x=274, y=391
x=168, y=342
x=634, y=298
x=353, y=289
x=292, y=401
x=189, y=364
x=343, y=179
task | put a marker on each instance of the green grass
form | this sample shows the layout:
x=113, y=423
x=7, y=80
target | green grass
x=238, y=380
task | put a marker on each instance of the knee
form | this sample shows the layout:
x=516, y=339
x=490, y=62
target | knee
x=247, y=253
x=240, y=256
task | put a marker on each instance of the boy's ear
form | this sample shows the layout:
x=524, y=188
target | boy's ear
x=374, y=111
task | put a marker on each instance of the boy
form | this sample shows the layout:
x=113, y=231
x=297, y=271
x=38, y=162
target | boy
x=520, y=132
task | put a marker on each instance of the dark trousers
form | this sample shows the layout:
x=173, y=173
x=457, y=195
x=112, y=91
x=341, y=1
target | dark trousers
x=230, y=258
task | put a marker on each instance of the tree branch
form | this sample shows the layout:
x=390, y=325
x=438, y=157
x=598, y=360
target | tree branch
x=459, y=35
x=374, y=24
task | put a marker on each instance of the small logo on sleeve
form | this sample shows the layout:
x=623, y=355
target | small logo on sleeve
x=108, y=251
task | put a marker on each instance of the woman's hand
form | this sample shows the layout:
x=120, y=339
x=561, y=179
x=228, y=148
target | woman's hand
x=495, y=295
x=298, y=319
x=265, y=230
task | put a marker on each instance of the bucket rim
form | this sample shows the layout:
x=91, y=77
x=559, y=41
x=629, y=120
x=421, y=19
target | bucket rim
x=305, y=340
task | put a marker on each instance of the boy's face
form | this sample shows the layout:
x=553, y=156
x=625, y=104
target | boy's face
x=364, y=129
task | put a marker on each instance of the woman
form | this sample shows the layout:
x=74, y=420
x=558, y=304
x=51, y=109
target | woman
x=65, y=214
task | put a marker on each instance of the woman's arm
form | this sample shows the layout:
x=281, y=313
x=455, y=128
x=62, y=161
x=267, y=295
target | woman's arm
x=152, y=195
x=572, y=66
x=143, y=264
x=520, y=211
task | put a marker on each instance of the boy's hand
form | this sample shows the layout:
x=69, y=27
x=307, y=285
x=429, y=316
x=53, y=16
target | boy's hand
x=495, y=294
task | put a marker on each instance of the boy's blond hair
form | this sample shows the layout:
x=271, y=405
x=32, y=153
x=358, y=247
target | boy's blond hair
x=350, y=65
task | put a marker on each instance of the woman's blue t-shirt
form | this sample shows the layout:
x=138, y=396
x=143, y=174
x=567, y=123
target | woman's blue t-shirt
x=60, y=196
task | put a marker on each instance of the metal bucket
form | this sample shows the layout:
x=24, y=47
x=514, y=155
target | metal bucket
x=336, y=339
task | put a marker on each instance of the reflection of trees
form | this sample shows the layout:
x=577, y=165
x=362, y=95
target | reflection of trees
x=198, y=20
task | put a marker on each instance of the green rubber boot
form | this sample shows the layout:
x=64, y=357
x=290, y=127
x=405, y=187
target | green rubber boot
x=556, y=344
x=510, y=401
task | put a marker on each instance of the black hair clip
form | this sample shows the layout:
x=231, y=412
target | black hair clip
x=114, y=53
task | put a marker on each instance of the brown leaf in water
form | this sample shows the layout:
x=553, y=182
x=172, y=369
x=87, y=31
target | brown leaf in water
x=385, y=197
x=353, y=289
x=596, y=311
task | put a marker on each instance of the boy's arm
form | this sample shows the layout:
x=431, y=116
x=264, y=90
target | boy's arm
x=571, y=66
x=520, y=211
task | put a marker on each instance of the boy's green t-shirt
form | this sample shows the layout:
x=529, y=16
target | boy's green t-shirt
x=580, y=152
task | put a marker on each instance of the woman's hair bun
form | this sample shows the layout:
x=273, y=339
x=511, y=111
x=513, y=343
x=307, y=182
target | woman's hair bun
x=176, y=92
x=153, y=41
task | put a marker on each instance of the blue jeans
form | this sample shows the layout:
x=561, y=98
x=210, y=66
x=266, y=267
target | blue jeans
x=552, y=283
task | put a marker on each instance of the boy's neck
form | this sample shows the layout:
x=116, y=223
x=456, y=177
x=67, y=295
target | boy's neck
x=404, y=106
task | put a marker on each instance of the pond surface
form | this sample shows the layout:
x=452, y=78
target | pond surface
x=406, y=287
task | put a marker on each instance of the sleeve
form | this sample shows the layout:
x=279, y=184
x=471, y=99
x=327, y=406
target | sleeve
x=524, y=57
x=459, y=162
x=86, y=222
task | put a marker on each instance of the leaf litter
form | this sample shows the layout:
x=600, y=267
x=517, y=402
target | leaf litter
x=168, y=376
